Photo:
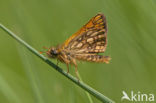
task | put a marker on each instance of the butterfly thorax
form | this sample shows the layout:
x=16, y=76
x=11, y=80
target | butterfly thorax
x=60, y=54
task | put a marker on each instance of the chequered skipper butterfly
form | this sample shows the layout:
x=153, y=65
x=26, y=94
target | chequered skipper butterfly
x=84, y=45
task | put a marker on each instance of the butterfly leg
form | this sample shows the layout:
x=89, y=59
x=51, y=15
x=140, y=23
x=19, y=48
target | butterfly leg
x=77, y=75
x=76, y=71
x=45, y=47
x=66, y=61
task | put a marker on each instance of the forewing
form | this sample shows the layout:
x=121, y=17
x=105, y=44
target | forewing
x=91, y=38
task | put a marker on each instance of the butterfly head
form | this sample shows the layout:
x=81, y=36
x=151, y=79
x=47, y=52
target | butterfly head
x=52, y=52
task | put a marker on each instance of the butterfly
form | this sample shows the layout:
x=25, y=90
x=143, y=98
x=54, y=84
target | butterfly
x=84, y=45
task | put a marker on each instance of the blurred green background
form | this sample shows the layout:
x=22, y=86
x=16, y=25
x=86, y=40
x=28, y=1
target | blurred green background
x=24, y=78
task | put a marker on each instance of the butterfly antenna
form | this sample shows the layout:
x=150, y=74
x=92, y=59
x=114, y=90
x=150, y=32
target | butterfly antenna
x=41, y=52
x=45, y=47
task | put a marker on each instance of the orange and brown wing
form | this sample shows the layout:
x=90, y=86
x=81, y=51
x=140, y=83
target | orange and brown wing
x=91, y=38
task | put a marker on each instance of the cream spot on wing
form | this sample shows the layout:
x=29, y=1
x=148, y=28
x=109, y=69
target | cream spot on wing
x=102, y=50
x=97, y=47
x=95, y=37
x=89, y=58
x=102, y=47
x=98, y=43
x=103, y=30
x=93, y=34
x=96, y=50
x=73, y=45
x=79, y=45
x=94, y=59
x=80, y=39
x=89, y=32
x=89, y=47
x=90, y=40
x=100, y=36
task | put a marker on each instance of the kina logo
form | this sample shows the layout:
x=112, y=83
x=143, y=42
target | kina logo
x=137, y=96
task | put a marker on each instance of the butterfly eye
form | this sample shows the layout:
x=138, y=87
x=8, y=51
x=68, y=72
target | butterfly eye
x=54, y=52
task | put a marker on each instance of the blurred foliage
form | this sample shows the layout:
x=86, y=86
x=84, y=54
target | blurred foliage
x=131, y=43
